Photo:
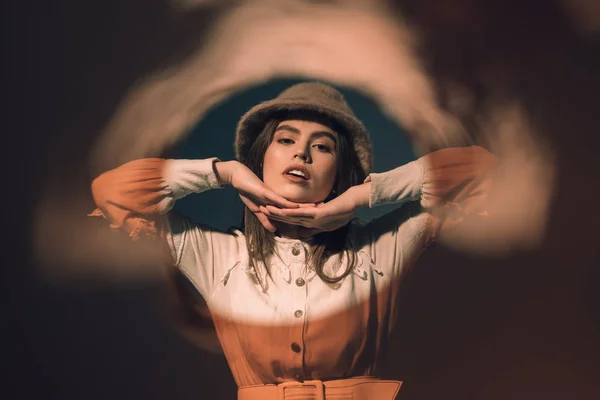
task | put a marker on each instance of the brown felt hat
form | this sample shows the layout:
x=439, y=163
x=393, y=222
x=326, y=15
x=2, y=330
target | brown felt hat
x=312, y=97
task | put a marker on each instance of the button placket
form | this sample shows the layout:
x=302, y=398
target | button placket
x=295, y=347
x=297, y=312
x=299, y=297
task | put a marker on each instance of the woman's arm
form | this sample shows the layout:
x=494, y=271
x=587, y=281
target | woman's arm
x=449, y=184
x=137, y=195
x=433, y=192
x=444, y=182
x=439, y=177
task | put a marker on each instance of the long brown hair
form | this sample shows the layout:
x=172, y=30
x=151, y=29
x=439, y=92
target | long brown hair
x=261, y=243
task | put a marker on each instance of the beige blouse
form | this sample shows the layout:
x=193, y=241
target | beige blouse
x=280, y=321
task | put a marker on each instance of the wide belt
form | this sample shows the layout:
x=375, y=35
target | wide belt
x=360, y=388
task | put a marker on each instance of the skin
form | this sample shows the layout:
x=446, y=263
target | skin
x=307, y=144
x=296, y=209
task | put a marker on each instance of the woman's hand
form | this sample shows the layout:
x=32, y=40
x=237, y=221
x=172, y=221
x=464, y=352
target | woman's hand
x=323, y=216
x=253, y=192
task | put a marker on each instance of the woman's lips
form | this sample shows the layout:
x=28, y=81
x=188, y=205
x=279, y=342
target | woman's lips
x=296, y=179
x=297, y=170
x=297, y=174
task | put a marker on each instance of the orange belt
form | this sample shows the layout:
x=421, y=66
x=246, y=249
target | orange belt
x=360, y=388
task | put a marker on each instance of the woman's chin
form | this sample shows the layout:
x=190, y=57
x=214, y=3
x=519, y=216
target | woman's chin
x=301, y=198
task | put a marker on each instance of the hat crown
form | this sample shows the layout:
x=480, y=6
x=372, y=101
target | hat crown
x=314, y=91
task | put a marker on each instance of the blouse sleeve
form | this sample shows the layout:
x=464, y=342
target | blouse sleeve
x=441, y=189
x=138, y=196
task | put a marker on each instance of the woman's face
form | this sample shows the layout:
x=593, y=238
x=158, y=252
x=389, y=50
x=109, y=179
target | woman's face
x=300, y=164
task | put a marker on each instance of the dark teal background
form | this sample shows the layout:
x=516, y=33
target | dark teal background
x=214, y=134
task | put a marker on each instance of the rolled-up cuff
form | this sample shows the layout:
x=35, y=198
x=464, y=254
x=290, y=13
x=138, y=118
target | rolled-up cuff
x=399, y=185
x=184, y=177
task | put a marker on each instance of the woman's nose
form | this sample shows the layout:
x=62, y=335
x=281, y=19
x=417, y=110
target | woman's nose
x=302, y=154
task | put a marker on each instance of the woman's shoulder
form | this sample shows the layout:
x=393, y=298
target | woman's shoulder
x=182, y=228
x=194, y=242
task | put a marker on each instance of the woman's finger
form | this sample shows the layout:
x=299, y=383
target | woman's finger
x=309, y=213
x=264, y=220
x=275, y=213
x=275, y=199
x=261, y=213
x=287, y=221
x=252, y=206
x=303, y=212
x=308, y=205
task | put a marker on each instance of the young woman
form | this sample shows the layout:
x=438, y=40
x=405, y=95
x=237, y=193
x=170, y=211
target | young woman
x=302, y=296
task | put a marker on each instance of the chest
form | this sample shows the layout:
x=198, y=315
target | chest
x=288, y=292
x=298, y=325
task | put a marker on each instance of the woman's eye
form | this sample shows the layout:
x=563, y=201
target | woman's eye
x=285, y=141
x=322, y=147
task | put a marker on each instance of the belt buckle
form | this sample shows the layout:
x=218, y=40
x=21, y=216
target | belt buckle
x=319, y=389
